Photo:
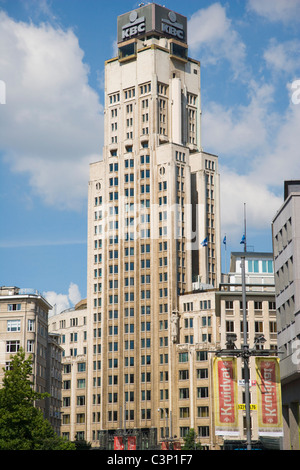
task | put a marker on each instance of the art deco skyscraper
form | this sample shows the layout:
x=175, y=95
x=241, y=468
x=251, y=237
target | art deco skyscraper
x=153, y=223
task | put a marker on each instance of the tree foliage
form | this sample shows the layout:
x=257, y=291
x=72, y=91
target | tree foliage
x=22, y=425
x=190, y=441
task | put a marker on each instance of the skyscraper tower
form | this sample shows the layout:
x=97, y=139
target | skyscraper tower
x=153, y=225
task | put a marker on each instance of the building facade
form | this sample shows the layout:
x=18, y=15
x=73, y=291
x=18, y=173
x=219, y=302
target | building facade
x=70, y=326
x=286, y=243
x=153, y=225
x=24, y=324
x=54, y=381
x=207, y=317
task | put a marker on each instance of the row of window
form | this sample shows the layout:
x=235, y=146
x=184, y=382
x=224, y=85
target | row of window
x=15, y=325
x=162, y=89
x=258, y=326
x=189, y=322
x=258, y=305
x=13, y=346
x=129, y=396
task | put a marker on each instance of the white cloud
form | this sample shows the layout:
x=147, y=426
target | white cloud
x=236, y=132
x=282, y=162
x=74, y=294
x=61, y=302
x=211, y=32
x=276, y=10
x=258, y=149
x=283, y=57
x=52, y=121
x=237, y=190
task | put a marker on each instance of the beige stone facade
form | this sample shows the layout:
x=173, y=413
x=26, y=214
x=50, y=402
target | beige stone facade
x=206, y=318
x=24, y=324
x=152, y=201
x=71, y=328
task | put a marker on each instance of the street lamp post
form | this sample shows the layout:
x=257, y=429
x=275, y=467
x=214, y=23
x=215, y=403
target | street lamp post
x=246, y=355
x=245, y=352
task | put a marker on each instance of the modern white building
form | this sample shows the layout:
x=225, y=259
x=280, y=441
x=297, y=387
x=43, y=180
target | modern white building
x=153, y=226
x=286, y=247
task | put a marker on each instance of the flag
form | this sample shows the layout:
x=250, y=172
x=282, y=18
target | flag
x=225, y=396
x=243, y=240
x=204, y=243
x=131, y=440
x=118, y=443
x=269, y=397
x=224, y=240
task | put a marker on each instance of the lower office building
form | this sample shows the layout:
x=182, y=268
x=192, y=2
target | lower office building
x=71, y=328
x=24, y=324
x=206, y=318
x=199, y=329
x=286, y=245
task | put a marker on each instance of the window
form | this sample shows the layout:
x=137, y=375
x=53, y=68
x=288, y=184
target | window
x=229, y=305
x=30, y=325
x=66, y=384
x=201, y=356
x=203, y=431
x=202, y=373
x=202, y=412
x=13, y=307
x=81, y=367
x=12, y=346
x=81, y=400
x=184, y=393
x=13, y=325
x=184, y=412
x=184, y=430
x=183, y=357
x=253, y=266
x=81, y=383
x=229, y=326
x=183, y=375
x=202, y=392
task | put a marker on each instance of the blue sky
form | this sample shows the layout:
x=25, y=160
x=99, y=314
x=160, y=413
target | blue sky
x=52, y=55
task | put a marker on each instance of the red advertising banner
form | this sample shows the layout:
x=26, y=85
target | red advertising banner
x=131, y=442
x=118, y=443
x=269, y=397
x=176, y=445
x=225, y=396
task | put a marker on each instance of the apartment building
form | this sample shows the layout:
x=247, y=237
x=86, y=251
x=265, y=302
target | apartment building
x=286, y=243
x=54, y=381
x=70, y=326
x=207, y=317
x=153, y=226
x=24, y=324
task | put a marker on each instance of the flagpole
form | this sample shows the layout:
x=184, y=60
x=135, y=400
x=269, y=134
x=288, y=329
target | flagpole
x=245, y=345
x=207, y=274
x=225, y=253
x=245, y=229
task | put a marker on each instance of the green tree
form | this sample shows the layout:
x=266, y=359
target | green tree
x=190, y=441
x=22, y=425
